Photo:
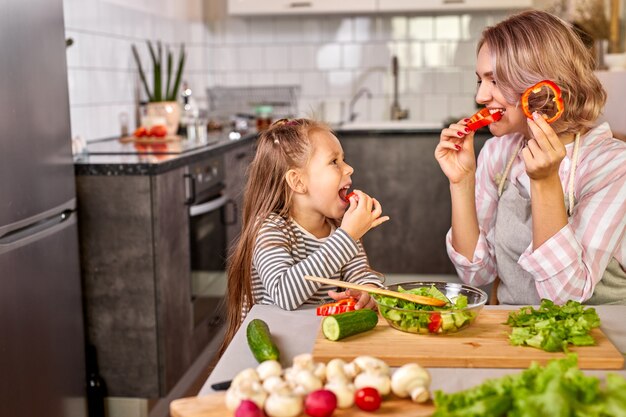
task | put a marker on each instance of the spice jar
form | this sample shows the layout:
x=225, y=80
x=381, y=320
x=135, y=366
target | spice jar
x=263, y=117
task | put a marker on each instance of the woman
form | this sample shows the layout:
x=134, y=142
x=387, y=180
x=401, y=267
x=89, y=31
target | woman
x=544, y=208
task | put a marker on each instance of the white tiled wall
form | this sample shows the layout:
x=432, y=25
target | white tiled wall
x=331, y=57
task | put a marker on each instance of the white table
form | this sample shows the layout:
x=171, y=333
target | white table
x=294, y=333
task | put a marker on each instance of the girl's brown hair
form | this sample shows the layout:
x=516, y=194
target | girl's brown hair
x=284, y=145
x=533, y=46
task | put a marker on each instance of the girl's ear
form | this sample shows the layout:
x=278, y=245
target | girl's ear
x=295, y=181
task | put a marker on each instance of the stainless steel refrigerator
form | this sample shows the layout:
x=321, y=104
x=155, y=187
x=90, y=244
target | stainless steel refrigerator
x=42, y=365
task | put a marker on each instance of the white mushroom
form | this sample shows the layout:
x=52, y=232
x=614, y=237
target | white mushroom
x=320, y=371
x=306, y=382
x=335, y=370
x=273, y=383
x=245, y=390
x=343, y=390
x=269, y=368
x=411, y=380
x=283, y=404
x=351, y=370
x=248, y=374
x=370, y=363
x=304, y=361
x=373, y=379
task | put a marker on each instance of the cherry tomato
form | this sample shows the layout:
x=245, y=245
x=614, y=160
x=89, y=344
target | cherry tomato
x=435, y=322
x=367, y=399
x=158, y=131
x=140, y=132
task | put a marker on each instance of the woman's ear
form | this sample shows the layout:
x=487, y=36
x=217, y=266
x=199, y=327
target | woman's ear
x=295, y=181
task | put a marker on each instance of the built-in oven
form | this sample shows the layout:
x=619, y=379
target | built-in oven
x=210, y=213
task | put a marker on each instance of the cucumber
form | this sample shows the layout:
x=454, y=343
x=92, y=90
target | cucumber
x=347, y=324
x=260, y=341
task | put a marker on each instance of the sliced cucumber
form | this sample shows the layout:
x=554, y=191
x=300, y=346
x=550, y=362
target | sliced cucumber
x=347, y=324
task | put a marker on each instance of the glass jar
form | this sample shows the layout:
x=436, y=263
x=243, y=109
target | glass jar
x=263, y=117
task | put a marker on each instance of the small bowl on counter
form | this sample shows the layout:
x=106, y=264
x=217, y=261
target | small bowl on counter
x=422, y=319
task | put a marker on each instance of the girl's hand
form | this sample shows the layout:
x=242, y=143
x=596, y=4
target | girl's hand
x=363, y=299
x=455, y=151
x=544, y=152
x=363, y=214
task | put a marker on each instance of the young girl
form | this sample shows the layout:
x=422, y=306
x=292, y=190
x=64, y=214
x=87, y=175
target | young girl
x=544, y=209
x=295, y=198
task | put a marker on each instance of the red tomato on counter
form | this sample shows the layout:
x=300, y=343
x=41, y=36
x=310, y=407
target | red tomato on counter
x=159, y=131
x=140, y=132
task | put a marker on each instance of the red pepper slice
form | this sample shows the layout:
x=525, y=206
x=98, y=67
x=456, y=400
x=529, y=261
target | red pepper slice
x=482, y=118
x=435, y=322
x=341, y=306
x=535, y=89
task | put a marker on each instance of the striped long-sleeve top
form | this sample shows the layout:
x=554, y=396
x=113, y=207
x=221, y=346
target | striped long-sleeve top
x=285, y=252
x=570, y=263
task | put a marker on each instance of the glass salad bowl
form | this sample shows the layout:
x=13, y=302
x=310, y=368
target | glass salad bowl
x=464, y=304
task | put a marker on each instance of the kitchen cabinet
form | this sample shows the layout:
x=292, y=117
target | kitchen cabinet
x=135, y=266
x=400, y=171
x=280, y=7
x=236, y=162
x=450, y=5
x=135, y=248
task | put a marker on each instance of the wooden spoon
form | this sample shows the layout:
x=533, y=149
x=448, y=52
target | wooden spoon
x=414, y=298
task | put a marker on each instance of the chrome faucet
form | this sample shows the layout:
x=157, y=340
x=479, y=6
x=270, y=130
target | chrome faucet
x=397, y=112
x=355, y=98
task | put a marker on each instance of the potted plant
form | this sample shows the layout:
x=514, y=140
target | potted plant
x=162, y=97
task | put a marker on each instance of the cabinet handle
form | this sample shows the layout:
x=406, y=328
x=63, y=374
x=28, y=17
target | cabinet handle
x=240, y=156
x=190, y=189
x=453, y=1
x=300, y=4
x=230, y=219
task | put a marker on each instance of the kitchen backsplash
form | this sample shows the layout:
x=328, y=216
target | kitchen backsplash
x=331, y=57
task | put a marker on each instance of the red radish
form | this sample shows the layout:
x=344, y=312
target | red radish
x=248, y=408
x=367, y=399
x=320, y=403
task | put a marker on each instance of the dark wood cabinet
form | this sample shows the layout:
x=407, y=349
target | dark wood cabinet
x=401, y=172
x=237, y=161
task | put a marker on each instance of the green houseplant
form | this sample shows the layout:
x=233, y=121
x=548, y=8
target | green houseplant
x=162, y=97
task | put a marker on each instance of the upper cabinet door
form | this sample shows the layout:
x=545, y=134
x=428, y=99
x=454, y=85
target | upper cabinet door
x=450, y=5
x=278, y=7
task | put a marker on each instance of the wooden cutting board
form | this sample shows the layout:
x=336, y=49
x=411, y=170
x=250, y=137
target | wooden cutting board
x=484, y=344
x=214, y=406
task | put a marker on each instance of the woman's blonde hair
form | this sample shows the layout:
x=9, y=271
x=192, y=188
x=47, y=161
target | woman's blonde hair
x=533, y=46
x=284, y=145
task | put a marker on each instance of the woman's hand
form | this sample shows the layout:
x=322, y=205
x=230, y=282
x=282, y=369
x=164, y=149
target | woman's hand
x=363, y=214
x=544, y=152
x=363, y=299
x=455, y=152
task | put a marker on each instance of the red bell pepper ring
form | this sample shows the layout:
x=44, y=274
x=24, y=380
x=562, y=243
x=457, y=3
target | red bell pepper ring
x=482, y=118
x=558, y=99
x=341, y=306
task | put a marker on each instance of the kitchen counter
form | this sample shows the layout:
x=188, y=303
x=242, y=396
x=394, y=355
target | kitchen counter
x=113, y=157
x=294, y=332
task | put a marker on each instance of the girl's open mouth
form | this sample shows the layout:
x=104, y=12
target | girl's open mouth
x=343, y=192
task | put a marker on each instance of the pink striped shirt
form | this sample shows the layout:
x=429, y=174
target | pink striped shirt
x=570, y=263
